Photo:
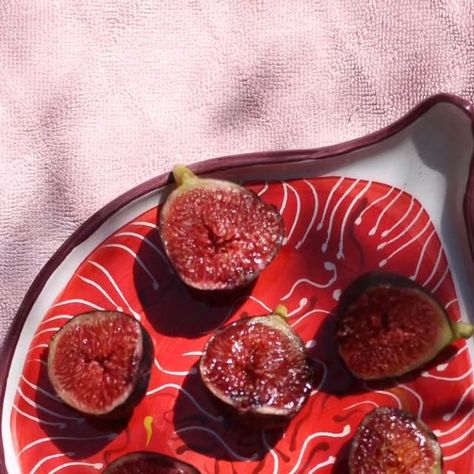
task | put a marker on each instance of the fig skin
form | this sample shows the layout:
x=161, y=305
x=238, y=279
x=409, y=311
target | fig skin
x=392, y=441
x=141, y=375
x=218, y=235
x=378, y=334
x=238, y=401
x=146, y=462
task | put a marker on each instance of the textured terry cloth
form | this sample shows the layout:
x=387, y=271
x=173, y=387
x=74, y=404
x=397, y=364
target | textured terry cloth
x=98, y=96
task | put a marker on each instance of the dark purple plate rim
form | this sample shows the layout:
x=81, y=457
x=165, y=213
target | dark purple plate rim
x=225, y=163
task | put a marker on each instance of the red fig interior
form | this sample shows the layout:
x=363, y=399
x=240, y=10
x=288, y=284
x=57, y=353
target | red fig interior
x=389, y=325
x=217, y=234
x=391, y=441
x=258, y=365
x=96, y=361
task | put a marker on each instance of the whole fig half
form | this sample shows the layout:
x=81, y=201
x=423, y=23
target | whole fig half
x=217, y=234
x=144, y=462
x=100, y=363
x=388, y=325
x=257, y=370
x=392, y=441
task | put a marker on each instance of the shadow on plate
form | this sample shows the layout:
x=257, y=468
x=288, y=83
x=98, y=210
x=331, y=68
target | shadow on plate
x=67, y=429
x=341, y=464
x=203, y=429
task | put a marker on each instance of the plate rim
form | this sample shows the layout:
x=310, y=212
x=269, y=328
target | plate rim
x=223, y=163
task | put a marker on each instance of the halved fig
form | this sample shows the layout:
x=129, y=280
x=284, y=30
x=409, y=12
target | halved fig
x=388, y=325
x=392, y=441
x=100, y=363
x=218, y=235
x=145, y=462
x=257, y=370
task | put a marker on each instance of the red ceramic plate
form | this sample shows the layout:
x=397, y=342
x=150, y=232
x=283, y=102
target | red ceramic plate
x=393, y=201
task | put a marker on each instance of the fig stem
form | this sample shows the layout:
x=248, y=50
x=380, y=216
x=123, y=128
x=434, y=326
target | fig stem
x=182, y=174
x=463, y=330
x=281, y=311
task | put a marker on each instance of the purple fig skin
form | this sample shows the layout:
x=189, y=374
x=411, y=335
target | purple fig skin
x=139, y=374
x=266, y=387
x=146, y=462
x=388, y=325
x=218, y=235
x=392, y=441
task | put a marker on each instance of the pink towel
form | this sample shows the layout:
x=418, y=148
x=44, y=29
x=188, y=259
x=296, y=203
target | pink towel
x=98, y=96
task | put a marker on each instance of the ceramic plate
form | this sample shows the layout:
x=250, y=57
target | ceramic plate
x=398, y=200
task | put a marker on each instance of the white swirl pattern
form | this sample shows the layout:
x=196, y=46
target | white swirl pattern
x=344, y=194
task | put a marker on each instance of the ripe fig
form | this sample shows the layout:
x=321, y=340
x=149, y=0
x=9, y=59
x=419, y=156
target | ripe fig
x=257, y=370
x=143, y=462
x=391, y=441
x=388, y=325
x=217, y=234
x=100, y=363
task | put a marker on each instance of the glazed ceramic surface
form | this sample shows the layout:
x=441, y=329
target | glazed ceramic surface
x=398, y=200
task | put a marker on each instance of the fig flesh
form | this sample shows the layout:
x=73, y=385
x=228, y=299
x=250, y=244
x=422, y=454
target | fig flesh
x=388, y=325
x=144, y=462
x=257, y=370
x=217, y=234
x=99, y=363
x=392, y=441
